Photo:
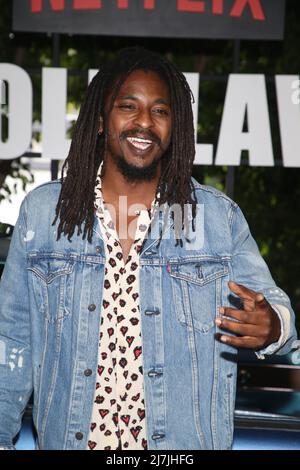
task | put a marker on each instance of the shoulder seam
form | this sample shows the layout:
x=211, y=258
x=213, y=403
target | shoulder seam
x=48, y=183
x=43, y=185
x=216, y=193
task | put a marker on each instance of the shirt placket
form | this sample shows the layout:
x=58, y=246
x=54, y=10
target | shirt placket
x=111, y=237
x=142, y=225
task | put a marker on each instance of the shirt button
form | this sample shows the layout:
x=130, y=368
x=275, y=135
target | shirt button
x=79, y=436
x=98, y=249
x=92, y=307
x=88, y=372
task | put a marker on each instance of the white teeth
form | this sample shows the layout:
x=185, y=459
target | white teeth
x=141, y=144
x=138, y=139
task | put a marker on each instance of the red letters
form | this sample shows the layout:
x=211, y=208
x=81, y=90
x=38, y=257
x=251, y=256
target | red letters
x=149, y=4
x=191, y=5
x=255, y=5
x=37, y=5
x=218, y=7
x=122, y=4
x=59, y=5
x=87, y=4
x=196, y=6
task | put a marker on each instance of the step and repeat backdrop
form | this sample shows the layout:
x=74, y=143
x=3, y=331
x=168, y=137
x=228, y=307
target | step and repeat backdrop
x=246, y=94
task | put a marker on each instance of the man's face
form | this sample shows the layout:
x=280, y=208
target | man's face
x=139, y=126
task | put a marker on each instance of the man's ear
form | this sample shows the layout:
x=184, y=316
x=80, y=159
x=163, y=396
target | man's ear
x=101, y=125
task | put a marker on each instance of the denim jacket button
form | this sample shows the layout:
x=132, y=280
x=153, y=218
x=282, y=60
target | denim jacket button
x=98, y=249
x=79, y=436
x=92, y=307
x=157, y=436
x=154, y=373
x=150, y=252
x=152, y=312
x=88, y=372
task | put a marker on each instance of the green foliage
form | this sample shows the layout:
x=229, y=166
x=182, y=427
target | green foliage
x=270, y=197
x=21, y=174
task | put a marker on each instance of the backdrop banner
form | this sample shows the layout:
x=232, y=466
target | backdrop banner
x=246, y=124
x=213, y=19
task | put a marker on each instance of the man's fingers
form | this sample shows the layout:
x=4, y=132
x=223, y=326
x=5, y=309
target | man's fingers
x=260, y=301
x=250, y=298
x=259, y=297
x=243, y=329
x=245, y=342
x=242, y=291
x=251, y=327
x=240, y=315
x=247, y=295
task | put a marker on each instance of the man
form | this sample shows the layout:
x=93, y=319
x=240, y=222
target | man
x=119, y=315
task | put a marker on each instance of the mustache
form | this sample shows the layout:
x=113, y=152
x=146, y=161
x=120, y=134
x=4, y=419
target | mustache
x=148, y=135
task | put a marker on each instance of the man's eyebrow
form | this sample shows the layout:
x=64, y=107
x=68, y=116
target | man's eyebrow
x=162, y=101
x=135, y=98
x=127, y=97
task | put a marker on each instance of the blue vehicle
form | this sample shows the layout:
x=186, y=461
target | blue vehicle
x=267, y=414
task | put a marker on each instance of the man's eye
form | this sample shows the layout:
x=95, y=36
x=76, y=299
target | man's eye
x=162, y=111
x=126, y=106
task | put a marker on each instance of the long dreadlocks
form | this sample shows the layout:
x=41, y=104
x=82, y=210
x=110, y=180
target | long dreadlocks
x=76, y=201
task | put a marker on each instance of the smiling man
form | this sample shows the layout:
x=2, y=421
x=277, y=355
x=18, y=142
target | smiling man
x=138, y=135
x=124, y=314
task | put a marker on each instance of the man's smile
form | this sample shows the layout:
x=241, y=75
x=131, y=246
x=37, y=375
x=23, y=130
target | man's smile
x=140, y=144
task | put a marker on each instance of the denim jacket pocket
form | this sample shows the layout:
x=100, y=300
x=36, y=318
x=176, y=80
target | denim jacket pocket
x=197, y=290
x=52, y=278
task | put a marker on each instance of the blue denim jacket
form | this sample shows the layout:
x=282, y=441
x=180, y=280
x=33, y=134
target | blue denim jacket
x=49, y=331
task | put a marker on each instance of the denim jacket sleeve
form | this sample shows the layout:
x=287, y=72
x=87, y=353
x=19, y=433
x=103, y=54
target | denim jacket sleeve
x=15, y=351
x=250, y=269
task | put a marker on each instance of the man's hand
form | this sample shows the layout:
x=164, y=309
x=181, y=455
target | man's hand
x=257, y=325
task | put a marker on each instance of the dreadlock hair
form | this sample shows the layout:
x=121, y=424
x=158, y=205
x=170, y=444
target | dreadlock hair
x=75, y=205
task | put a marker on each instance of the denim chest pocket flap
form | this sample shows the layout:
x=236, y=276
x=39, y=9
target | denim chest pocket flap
x=199, y=271
x=52, y=281
x=197, y=290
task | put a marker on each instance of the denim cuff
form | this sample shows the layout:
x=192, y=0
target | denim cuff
x=284, y=328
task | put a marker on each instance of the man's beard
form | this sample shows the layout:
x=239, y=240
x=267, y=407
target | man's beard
x=133, y=173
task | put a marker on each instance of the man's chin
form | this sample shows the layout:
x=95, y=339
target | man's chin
x=133, y=172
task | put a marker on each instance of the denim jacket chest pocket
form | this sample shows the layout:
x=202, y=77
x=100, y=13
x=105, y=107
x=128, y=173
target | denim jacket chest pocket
x=197, y=290
x=52, y=279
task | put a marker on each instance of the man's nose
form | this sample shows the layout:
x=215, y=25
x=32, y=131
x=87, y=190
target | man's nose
x=144, y=118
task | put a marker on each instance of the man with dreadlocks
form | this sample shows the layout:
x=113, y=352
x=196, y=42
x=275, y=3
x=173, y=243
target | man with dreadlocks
x=129, y=287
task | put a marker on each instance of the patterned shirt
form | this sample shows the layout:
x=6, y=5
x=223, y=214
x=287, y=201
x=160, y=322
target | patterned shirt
x=118, y=415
